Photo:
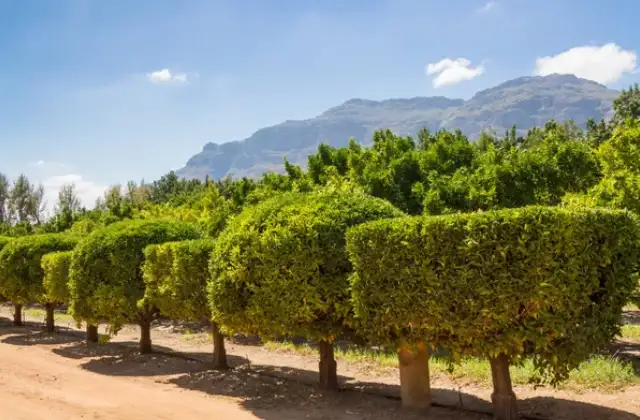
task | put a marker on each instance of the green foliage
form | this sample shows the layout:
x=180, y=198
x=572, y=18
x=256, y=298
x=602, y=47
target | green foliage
x=105, y=280
x=3, y=241
x=446, y=173
x=209, y=210
x=627, y=105
x=549, y=282
x=620, y=159
x=176, y=275
x=20, y=265
x=55, y=267
x=281, y=267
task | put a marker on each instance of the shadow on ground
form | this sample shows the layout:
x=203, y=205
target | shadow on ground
x=631, y=317
x=33, y=338
x=124, y=359
x=283, y=393
x=31, y=333
x=628, y=351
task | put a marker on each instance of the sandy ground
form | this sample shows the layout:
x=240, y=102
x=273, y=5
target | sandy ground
x=37, y=384
x=44, y=376
x=57, y=377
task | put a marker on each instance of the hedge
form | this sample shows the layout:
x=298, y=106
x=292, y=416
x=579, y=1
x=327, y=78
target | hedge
x=55, y=267
x=105, y=277
x=176, y=275
x=3, y=241
x=539, y=281
x=281, y=268
x=22, y=278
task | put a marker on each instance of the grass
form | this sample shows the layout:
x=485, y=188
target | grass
x=40, y=315
x=196, y=337
x=630, y=331
x=606, y=373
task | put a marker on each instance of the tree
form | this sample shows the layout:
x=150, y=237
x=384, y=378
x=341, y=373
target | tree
x=627, y=106
x=20, y=199
x=620, y=160
x=544, y=282
x=105, y=278
x=67, y=208
x=55, y=268
x=176, y=275
x=281, y=268
x=22, y=274
x=4, y=199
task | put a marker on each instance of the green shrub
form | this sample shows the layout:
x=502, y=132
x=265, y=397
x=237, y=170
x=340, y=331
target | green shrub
x=549, y=282
x=20, y=263
x=3, y=241
x=105, y=277
x=176, y=275
x=55, y=267
x=281, y=267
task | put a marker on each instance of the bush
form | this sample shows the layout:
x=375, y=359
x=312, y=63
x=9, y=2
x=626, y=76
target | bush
x=21, y=267
x=105, y=277
x=55, y=267
x=549, y=282
x=3, y=241
x=21, y=281
x=176, y=275
x=281, y=267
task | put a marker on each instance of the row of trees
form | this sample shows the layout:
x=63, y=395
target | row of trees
x=21, y=202
x=543, y=282
x=329, y=251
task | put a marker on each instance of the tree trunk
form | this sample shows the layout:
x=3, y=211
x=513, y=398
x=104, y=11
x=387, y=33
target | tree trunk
x=503, y=397
x=328, y=367
x=92, y=333
x=17, y=315
x=145, y=336
x=50, y=323
x=415, y=387
x=219, y=352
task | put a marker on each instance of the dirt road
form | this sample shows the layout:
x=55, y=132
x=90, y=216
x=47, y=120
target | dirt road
x=37, y=384
x=58, y=377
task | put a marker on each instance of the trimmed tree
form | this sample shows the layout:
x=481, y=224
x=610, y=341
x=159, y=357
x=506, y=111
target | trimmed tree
x=548, y=283
x=281, y=268
x=3, y=241
x=22, y=279
x=56, y=283
x=176, y=275
x=105, y=276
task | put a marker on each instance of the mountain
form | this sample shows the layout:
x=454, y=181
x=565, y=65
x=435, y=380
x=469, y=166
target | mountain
x=525, y=102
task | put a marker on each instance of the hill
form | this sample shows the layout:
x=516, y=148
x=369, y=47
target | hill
x=525, y=102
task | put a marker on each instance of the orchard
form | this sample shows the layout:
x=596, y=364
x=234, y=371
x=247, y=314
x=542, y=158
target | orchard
x=523, y=246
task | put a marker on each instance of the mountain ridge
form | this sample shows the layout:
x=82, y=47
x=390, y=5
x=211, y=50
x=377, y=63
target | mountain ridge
x=525, y=101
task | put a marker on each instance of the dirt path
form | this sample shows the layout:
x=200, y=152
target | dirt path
x=37, y=384
x=60, y=376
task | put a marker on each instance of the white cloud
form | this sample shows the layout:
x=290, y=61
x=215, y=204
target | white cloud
x=87, y=191
x=453, y=71
x=53, y=175
x=488, y=6
x=603, y=64
x=165, y=76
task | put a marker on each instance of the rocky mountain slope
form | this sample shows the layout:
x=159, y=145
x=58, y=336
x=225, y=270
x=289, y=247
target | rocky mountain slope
x=526, y=102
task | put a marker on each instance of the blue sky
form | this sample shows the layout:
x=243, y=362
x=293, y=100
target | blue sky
x=102, y=91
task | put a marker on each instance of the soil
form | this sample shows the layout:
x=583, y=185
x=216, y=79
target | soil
x=58, y=376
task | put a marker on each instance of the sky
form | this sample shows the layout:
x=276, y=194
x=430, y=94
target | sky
x=99, y=92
